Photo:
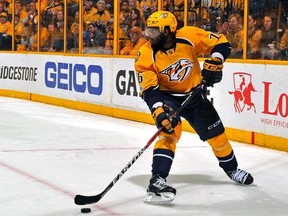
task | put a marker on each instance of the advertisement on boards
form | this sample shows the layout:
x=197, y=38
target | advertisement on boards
x=73, y=78
x=18, y=74
x=250, y=97
x=254, y=98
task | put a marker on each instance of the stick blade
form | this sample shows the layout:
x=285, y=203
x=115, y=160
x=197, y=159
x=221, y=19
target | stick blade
x=84, y=200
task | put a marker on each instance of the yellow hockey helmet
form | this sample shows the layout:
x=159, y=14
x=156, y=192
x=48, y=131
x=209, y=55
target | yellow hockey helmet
x=161, y=19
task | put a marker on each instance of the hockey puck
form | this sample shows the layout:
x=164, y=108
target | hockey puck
x=85, y=210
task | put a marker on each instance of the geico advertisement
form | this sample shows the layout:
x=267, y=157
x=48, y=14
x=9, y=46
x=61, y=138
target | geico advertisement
x=74, y=77
x=255, y=98
x=80, y=79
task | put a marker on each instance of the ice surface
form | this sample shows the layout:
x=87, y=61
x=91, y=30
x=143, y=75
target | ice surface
x=49, y=154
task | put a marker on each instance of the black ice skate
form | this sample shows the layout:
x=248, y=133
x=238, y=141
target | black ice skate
x=159, y=192
x=240, y=176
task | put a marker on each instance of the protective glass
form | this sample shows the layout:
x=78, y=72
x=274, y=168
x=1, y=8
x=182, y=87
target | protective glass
x=152, y=32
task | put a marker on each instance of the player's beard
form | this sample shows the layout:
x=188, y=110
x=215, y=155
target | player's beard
x=158, y=42
x=163, y=42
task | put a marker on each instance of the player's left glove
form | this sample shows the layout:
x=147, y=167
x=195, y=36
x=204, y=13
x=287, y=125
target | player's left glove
x=212, y=71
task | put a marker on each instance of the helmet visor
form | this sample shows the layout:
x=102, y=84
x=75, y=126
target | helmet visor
x=152, y=32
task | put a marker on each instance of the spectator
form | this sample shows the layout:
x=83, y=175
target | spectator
x=2, y=7
x=32, y=17
x=55, y=41
x=97, y=35
x=49, y=47
x=147, y=6
x=75, y=29
x=125, y=24
x=18, y=28
x=5, y=32
x=43, y=5
x=218, y=4
x=7, y=7
x=86, y=34
x=222, y=25
x=27, y=39
x=154, y=6
x=51, y=9
x=110, y=6
x=20, y=10
x=109, y=44
x=102, y=13
x=59, y=21
x=89, y=11
x=124, y=8
x=235, y=35
x=179, y=5
x=53, y=6
x=125, y=20
x=136, y=19
x=269, y=38
x=216, y=16
x=136, y=41
x=124, y=5
x=57, y=33
x=44, y=38
x=254, y=37
x=202, y=15
x=284, y=46
x=134, y=4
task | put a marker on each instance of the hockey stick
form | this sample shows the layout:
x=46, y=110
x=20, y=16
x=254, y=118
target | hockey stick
x=83, y=200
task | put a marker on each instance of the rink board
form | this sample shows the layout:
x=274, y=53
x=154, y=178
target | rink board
x=252, y=99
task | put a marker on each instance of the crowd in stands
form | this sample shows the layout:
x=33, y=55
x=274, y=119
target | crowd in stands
x=267, y=27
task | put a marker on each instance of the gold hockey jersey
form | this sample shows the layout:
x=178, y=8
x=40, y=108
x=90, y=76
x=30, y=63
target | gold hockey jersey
x=176, y=70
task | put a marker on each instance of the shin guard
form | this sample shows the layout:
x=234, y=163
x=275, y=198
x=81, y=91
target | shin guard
x=224, y=152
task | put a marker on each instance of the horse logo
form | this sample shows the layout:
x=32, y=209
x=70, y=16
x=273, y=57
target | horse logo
x=243, y=88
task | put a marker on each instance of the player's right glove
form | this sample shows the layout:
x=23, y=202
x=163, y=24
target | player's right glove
x=212, y=71
x=162, y=116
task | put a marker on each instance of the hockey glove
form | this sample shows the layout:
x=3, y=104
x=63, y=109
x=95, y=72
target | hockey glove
x=212, y=71
x=162, y=117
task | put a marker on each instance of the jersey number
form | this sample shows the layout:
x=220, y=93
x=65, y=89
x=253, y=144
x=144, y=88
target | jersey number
x=213, y=35
x=140, y=78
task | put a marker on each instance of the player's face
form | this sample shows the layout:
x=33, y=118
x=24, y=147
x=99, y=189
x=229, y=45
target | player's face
x=155, y=42
x=153, y=35
x=152, y=32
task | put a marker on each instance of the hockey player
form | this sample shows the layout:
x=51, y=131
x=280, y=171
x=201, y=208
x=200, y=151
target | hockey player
x=168, y=69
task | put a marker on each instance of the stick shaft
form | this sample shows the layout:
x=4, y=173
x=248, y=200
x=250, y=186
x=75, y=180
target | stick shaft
x=83, y=200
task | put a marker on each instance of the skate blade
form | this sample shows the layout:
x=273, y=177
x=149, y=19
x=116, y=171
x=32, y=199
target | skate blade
x=163, y=198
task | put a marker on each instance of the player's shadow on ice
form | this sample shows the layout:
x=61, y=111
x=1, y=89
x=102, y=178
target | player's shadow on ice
x=195, y=179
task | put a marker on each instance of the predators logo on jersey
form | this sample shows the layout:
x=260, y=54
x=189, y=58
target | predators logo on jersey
x=179, y=70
